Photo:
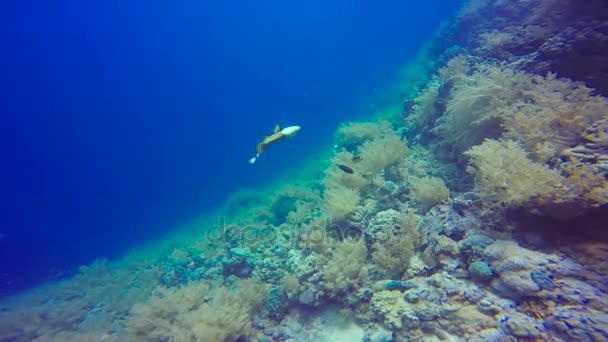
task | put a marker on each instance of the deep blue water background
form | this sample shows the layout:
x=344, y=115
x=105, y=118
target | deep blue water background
x=121, y=119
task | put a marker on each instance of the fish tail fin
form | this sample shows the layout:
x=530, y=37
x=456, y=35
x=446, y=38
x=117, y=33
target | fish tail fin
x=252, y=160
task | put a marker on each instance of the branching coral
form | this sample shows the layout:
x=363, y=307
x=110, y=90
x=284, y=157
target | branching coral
x=454, y=70
x=334, y=176
x=89, y=301
x=295, y=203
x=423, y=111
x=346, y=268
x=396, y=245
x=478, y=104
x=340, y=202
x=586, y=165
x=378, y=147
x=556, y=130
x=555, y=117
x=428, y=104
x=504, y=175
x=428, y=191
x=567, y=128
x=155, y=319
x=379, y=153
x=184, y=315
x=546, y=114
x=355, y=133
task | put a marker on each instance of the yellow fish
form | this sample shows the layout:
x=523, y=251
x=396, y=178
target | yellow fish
x=278, y=135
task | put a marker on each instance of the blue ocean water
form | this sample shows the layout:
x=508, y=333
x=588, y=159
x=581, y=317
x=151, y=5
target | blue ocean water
x=122, y=119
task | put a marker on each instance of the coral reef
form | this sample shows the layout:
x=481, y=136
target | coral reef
x=187, y=314
x=473, y=209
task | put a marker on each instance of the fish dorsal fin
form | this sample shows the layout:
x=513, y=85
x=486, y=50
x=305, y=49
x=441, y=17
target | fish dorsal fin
x=277, y=129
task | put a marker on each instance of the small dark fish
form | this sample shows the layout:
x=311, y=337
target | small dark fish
x=356, y=159
x=346, y=168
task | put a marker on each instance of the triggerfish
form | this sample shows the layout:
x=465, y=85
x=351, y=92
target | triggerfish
x=278, y=135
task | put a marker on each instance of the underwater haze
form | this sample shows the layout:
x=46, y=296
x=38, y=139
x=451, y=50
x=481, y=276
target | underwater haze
x=121, y=120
